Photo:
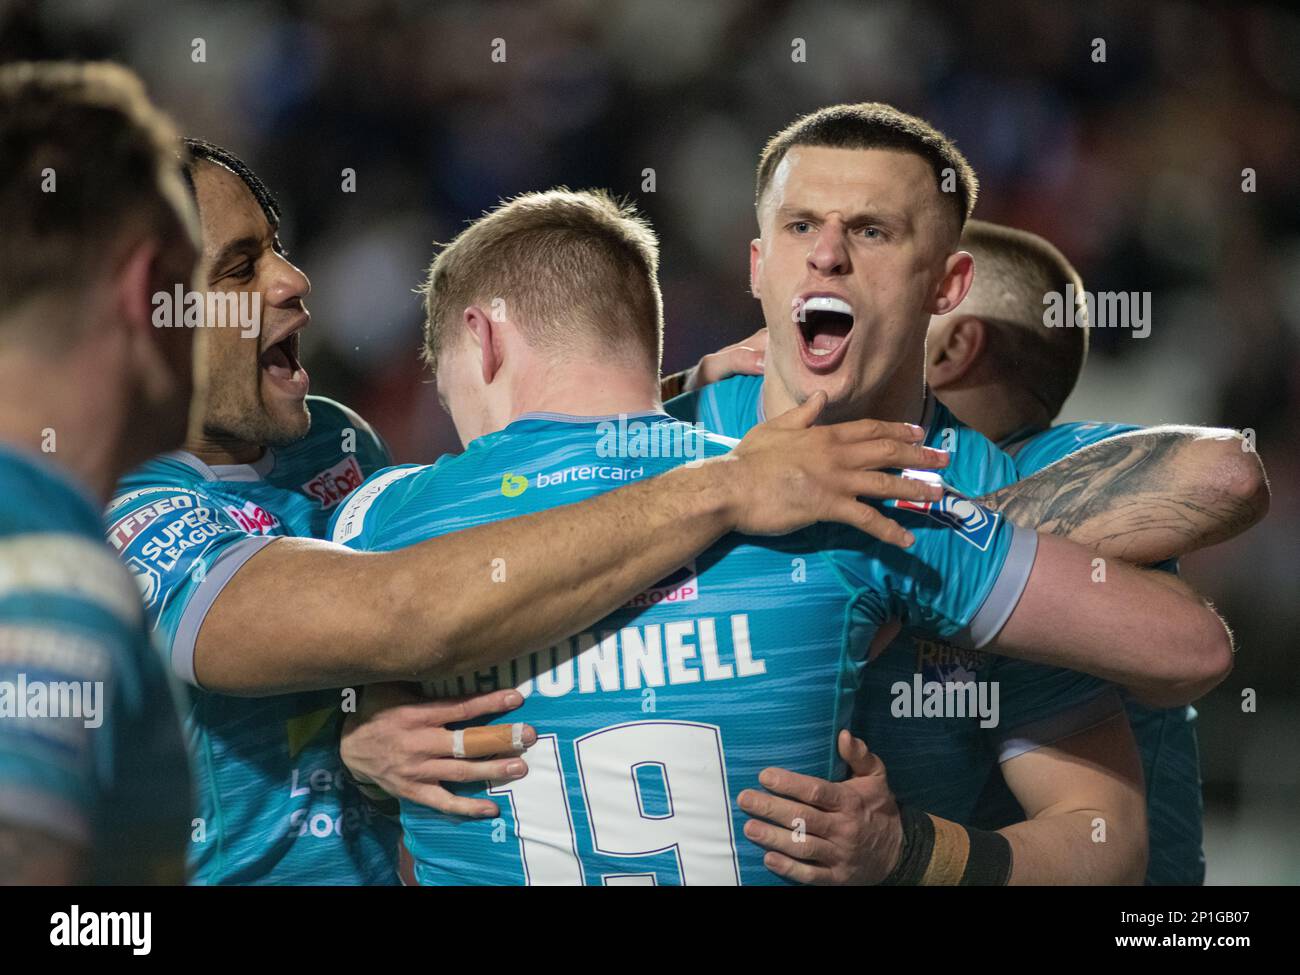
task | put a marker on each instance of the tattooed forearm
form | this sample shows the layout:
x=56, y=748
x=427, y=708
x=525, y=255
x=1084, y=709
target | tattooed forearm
x=1143, y=497
x=31, y=857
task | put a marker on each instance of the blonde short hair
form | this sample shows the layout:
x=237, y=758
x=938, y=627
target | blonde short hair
x=569, y=266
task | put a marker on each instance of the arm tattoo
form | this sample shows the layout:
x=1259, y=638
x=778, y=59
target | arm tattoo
x=1128, y=497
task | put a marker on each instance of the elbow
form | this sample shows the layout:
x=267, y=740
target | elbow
x=1204, y=662
x=1240, y=474
x=1215, y=657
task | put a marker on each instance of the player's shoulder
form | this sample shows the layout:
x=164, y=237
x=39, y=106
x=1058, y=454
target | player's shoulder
x=335, y=431
x=358, y=518
x=35, y=497
x=332, y=415
x=975, y=463
x=1045, y=447
x=168, y=482
x=729, y=407
x=50, y=546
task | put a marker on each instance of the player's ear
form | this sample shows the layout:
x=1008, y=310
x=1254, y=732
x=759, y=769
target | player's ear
x=952, y=349
x=483, y=333
x=755, y=266
x=136, y=283
x=958, y=275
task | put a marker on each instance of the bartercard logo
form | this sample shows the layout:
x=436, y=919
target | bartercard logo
x=972, y=522
x=513, y=485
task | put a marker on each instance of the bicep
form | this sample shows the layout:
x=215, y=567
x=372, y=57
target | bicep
x=1094, y=769
x=289, y=619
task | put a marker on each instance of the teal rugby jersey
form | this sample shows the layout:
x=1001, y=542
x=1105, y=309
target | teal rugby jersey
x=275, y=804
x=91, y=749
x=1166, y=737
x=652, y=721
x=940, y=758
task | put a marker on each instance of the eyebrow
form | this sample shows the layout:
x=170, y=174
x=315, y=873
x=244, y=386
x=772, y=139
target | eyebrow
x=247, y=244
x=856, y=219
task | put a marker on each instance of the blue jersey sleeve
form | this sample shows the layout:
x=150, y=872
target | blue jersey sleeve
x=69, y=632
x=183, y=545
x=960, y=580
x=359, y=521
x=1041, y=705
x=1049, y=446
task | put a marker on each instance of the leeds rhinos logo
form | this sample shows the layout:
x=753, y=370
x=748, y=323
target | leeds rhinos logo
x=147, y=578
x=972, y=522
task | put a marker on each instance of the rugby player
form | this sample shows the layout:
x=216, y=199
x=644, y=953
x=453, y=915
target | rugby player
x=650, y=718
x=94, y=780
x=858, y=249
x=994, y=364
x=274, y=630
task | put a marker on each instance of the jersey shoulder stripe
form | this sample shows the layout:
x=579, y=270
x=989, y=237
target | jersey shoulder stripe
x=350, y=520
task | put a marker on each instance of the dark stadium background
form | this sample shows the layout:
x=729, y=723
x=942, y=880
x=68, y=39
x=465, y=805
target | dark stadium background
x=1133, y=167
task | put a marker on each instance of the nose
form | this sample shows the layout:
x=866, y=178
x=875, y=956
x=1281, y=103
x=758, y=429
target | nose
x=289, y=284
x=830, y=251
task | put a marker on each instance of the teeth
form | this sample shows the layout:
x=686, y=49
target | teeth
x=826, y=303
x=820, y=352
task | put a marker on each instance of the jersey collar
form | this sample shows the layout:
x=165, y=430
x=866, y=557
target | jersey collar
x=256, y=471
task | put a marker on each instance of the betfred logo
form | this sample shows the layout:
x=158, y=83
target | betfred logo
x=253, y=518
x=680, y=587
x=123, y=531
x=332, y=486
x=971, y=521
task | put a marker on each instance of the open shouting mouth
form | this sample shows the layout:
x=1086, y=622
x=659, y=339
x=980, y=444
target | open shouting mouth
x=280, y=363
x=824, y=323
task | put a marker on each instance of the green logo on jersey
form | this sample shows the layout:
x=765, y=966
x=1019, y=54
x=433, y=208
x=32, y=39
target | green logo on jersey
x=513, y=485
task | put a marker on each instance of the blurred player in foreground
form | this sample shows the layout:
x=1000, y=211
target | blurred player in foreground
x=996, y=365
x=94, y=782
x=649, y=720
x=860, y=209
x=274, y=630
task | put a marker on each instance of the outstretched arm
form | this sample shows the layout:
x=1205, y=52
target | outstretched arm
x=304, y=614
x=1145, y=496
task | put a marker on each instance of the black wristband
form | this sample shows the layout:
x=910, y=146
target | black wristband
x=959, y=855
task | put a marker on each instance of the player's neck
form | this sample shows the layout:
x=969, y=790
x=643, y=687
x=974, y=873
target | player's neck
x=905, y=402
x=216, y=452
x=80, y=432
x=582, y=389
x=994, y=410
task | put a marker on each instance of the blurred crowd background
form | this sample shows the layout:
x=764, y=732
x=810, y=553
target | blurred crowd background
x=1133, y=167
